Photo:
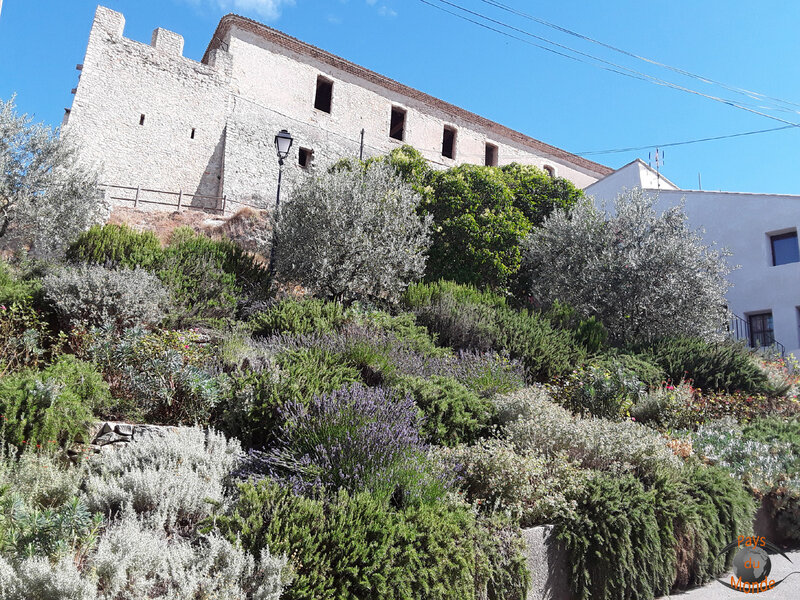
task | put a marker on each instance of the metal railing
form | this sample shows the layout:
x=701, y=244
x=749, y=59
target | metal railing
x=739, y=329
x=143, y=196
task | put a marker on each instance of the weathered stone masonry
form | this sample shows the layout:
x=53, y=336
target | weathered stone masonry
x=150, y=117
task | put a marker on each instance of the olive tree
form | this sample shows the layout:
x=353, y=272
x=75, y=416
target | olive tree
x=353, y=233
x=642, y=272
x=46, y=198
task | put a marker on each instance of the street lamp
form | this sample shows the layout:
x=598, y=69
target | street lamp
x=283, y=143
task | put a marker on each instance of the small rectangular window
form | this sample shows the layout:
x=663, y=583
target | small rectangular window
x=324, y=96
x=491, y=155
x=762, y=332
x=784, y=248
x=304, y=157
x=551, y=171
x=141, y=120
x=449, y=142
x=397, y=126
x=192, y=136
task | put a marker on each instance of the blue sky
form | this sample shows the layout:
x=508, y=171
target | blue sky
x=567, y=103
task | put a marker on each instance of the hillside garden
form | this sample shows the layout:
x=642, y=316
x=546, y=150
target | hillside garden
x=442, y=359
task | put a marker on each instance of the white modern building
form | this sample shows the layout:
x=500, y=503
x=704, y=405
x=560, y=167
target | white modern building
x=151, y=118
x=761, y=232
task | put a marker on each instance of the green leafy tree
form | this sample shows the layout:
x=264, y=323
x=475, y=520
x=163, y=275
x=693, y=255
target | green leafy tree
x=46, y=197
x=644, y=274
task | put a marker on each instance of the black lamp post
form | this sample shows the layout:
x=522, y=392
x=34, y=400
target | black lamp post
x=283, y=143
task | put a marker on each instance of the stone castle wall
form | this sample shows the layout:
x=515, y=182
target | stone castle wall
x=252, y=83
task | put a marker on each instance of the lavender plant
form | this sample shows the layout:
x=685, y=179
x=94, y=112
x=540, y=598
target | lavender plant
x=353, y=234
x=356, y=438
x=643, y=274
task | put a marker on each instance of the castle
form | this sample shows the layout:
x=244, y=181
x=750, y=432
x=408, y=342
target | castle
x=153, y=120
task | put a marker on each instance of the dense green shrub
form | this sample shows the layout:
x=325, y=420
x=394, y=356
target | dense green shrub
x=452, y=414
x=628, y=540
x=15, y=289
x=464, y=317
x=641, y=272
x=478, y=228
x=209, y=278
x=708, y=365
x=353, y=234
x=544, y=351
x=52, y=406
x=667, y=406
x=536, y=193
x=92, y=296
x=358, y=547
x=116, y=246
x=299, y=316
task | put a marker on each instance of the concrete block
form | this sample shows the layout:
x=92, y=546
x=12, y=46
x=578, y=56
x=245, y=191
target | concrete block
x=547, y=563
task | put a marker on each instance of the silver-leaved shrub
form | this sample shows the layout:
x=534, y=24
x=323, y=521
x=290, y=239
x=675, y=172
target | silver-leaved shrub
x=169, y=480
x=533, y=423
x=644, y=274
x=92, y=295
x=36, y=578
x=353, y=234
x=46, y=197
x=137, y=562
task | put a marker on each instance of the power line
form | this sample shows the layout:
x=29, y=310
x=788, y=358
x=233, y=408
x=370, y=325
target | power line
x=629, y=72
x=697, y=141
x=704, y=79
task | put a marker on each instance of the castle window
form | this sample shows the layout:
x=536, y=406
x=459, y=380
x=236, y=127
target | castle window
x=549, y=170
x=397, y=126
x=449, y=142
x=324, y=96
x=141, y=120
x=304, y=157
x=784, y=248
x=491, y=155
x=192, y=136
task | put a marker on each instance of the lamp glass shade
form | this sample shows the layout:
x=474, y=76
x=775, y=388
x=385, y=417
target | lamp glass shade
x=283, y=143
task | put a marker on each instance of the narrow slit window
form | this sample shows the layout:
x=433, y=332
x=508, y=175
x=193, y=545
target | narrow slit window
x=304, y=158
x=192, y=136
x=141, y=120
x=324, y=96
x=397, y=126
x=449, y=142
x=491, y=155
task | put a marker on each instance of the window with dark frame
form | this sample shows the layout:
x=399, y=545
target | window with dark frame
x=324, y=96
x=397, y=125
x=784, y=248
x=491, y=155
x=449, y=142
x=304, y=157
x=762, y=332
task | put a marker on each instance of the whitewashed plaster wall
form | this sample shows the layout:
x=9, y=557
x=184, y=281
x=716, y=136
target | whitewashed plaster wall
x=274, y=89
x=120, y=81
x=742, y=223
